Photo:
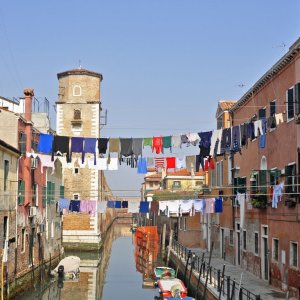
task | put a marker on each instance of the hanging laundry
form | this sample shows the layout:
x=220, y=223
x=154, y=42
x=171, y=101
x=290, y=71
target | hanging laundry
x=61, y=145
x=90, y=147
x=159, y=162
x=114, y=145
x=199, y=206
x=157, y=144
x=199, y=161
x=173, y=207
x=118, y=204
x=240, y=198
x=250, y=131
x=163, y=207
x=45, y=143
x=142, y=165
x=184, y=139
x=63, y=204
x=210, y=205
x=101, y=207
x=262, y=138
x=176, y=141
x=111, y=204
x=46, y=161
x=102, y=164
x=148, y=142
x=244, y=134
x=124, y=204
x=171, y=162
x=167, y=142
x=216, y=135
x=205, y=139
x=279, y=118
x=226, y=140
x=236, y=139
x=144, y=207
x=102, y=145
x=74, y=205
x=126, y=147
x=113, y=165
x=258, y=128
x=133, y=207
x=193, y=138
x=91, y=164
x=150, y=161
x=154, y=207
x=180, y=163
x=271, y=123
x=88, y=206
x=137, y=147
x=77, y=146
x=218, y=205
x=186, y=207
x=190, y=162
x=206, y=165
x=277, y=194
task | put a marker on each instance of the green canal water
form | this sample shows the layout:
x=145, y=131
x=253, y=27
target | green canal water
x=110, y=274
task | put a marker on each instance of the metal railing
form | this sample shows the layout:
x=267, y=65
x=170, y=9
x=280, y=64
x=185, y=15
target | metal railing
x=225, y=285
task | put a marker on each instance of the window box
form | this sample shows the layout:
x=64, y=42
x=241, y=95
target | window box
x=290, y=202
x=259, y=201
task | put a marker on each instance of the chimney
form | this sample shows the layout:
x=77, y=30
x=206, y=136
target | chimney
x=28, y=103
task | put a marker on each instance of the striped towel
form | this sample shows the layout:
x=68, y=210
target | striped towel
x=159, y=162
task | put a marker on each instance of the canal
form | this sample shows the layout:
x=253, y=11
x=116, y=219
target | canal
x=110, y=274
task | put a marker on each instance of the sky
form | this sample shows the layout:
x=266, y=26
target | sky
x=165, y=64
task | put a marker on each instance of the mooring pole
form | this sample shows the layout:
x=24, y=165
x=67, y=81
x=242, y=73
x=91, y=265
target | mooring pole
x=170, y=246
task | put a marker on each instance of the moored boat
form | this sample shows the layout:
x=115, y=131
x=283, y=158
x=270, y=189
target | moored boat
x=68, y=268
x=173, y=287
x=164, y=273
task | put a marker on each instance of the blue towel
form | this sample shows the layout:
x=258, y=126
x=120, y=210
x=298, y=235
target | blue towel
x=124, y=204
x=90, y=147
x=218, y=205
x=77, y=146
x=118, y=204
x=142, y=166
x=45, y=143
x=64, y=203
x=74, y=205
x=144, y=207
x=111, y=204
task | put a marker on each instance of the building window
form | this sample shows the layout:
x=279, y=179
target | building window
x=297, y=99
x=77, y=114
x=6, y=170
x=221, y=172
x=275, y=248
x=294, y=254
x=212, y=177
x=244, y=240
x=77, y=91
x=274, y=175
x=261, y=113
x=151, y=184
x=219, y=122
x=176, y=184
x=184, y=223
x=35, y=195
x=22, y=142
x=218, y=174
x=76, y=170
x=23, y=240
x=76, y=196
x=256, y=243
x=290, y=104
x=229, y=164
x=179, y=223
x=272, y=108
x=231, y=237
x=290, y=175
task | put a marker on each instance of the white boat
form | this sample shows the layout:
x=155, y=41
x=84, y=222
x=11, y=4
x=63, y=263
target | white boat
x=68, y=268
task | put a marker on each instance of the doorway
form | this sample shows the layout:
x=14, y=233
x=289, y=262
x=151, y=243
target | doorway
x=238, y=244
x=222, y=243
x=265, y=253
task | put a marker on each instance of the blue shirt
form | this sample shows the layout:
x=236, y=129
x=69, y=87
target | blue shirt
x=45, y=143
x=142, y=166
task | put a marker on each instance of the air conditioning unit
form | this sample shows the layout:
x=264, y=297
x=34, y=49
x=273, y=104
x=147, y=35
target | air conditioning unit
x=32, y=211
x=34, y=162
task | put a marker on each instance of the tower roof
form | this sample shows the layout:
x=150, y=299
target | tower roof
x=79, y=71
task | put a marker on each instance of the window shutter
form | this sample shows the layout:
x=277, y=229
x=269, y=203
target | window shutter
x=297, y=99
x=48, y=192
x=287, y=180
x=53, y=192
x=22, y=143
x=44, y=196
x=21, y=192
x=62, y=191
x=263, y=181
x=290, y=103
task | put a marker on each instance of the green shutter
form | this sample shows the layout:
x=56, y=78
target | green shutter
x=263, y=181
x=53, y=193
x=21, y=192
x=62, y=191
x=44, y=196
x=48, y=192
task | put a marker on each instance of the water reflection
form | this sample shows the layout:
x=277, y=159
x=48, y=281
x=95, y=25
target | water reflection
x=109, y=274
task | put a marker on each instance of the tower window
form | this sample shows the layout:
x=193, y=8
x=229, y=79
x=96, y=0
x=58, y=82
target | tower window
x=77, y=114
x=77, y=90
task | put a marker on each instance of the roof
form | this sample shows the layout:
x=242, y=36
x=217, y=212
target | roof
x=226, y=104
x=79, y=71
x=269, y=75
x=153, y=177
x=185, y=172
x=9, y=147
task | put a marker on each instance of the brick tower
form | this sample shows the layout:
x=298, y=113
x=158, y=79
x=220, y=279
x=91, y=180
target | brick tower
x=78, y=114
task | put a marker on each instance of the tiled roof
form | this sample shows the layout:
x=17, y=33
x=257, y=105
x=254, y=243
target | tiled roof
x=184, y=172
x=226, y=104
x=79, y=71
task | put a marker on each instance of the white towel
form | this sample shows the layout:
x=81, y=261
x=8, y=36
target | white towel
x=258, y=126
x=163, y=205
x=102, y=164
x=133, y=207
x=176, y=141
x=173, y=207
x=46, y=162
x=241, y=200
x=186, y=206
x=101, y=207
x=113, y=165
x=193, y=138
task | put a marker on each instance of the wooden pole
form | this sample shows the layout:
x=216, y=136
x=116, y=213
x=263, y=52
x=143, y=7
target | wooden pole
x=164, y=237
x=170, y=245
x=2, y=275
